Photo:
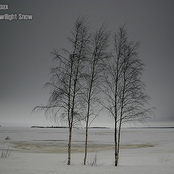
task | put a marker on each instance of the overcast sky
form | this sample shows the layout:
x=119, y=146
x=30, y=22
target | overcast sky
x=25, y=47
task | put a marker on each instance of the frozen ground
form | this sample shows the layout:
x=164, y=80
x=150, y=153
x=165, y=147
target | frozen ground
x=44, y=151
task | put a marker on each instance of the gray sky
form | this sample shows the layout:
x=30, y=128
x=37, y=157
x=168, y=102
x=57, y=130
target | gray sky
x=25, y=47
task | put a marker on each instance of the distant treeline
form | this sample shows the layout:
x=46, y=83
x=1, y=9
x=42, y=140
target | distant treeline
x=99, y=127
x=49, y=127
x=67, y=127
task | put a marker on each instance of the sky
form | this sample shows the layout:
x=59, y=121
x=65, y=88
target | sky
x=26, y=45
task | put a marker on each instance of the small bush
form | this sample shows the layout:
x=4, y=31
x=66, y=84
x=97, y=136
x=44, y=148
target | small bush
x=6, y=148
x=94, y=161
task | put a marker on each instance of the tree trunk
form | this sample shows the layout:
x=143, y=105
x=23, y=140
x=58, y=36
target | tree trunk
x=116, y=158
x=120, y=122
x=69, y=146
x=118, y=145
x=116, y=152
x=86, y=144
x=87, y=121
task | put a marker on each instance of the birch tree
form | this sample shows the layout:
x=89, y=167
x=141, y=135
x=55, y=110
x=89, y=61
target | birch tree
x=123, y=87
x=95, y=65
x=64, y=103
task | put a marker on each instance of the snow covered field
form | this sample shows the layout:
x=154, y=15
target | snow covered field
x=44, y=151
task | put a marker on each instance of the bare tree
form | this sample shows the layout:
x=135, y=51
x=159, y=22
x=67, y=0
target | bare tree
x=95, y=65
x=123, y=87
x=83, y=72
x=64, y=102
x=80, y=41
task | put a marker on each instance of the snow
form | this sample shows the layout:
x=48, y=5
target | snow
x=43, y=151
